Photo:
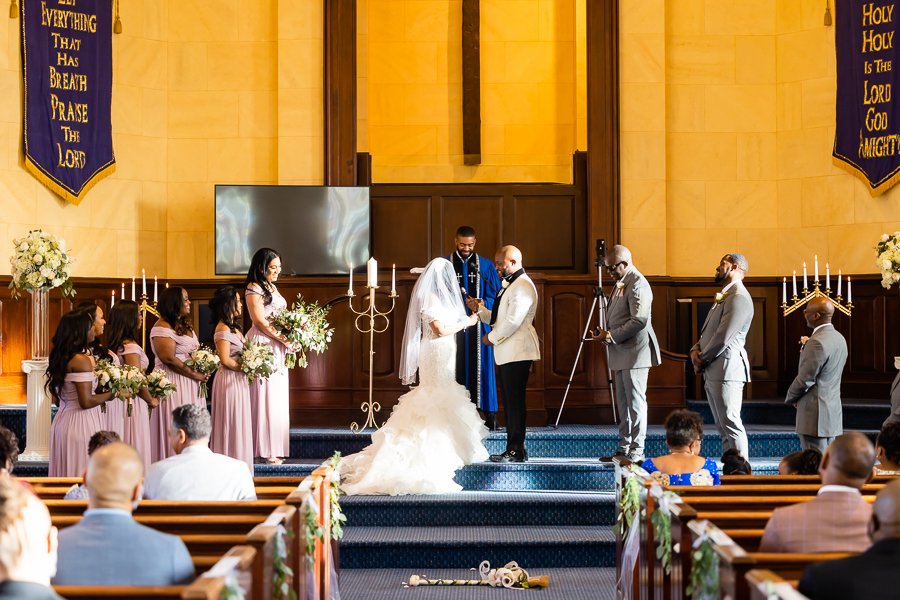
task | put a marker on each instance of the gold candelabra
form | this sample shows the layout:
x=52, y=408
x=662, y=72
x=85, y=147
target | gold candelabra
x=370, y=407
x=146, y=307
x=799, y=302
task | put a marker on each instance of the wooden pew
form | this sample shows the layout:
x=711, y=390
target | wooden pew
x=316, y=489
x=203, y=588
x=267, y=488
x=766, y=585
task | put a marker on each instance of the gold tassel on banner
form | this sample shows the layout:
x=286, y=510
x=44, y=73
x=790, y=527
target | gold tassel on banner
x=117, y=26
x=827, y=14
x=13, y=9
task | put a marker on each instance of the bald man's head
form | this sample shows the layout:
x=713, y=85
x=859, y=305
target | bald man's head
x=886, y=513
x=849, y=461
x=819, y=311
x=617, y=262
x=113, y=476
x=620, y=253
x=508, y=260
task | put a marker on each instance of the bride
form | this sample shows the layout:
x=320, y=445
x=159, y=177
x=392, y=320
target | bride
x=434, y=429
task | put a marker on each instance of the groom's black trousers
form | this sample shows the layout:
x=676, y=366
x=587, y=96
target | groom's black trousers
x=513, y=380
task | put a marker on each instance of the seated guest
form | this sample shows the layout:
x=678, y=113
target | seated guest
x=196, y=473
x=27, y=545
x=836, y=519
x=887, y=449
x=871, y=575
x=108, y=547
x=683, y=465
x=804, y=462
x=98, y=440
x=735, y=464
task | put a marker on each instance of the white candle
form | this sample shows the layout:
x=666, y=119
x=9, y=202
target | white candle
x=849, y=292
x=393, y=278
x=123, y=291
x=784, y=290
x=112, y=301
x=805, y=286
x=827, y=277
x=839, y=283
x=133, y=296
x=350, y=289
x=155, y=282
x=795, y=283
x=817, y=266
x=167, y=285
x=373, y=272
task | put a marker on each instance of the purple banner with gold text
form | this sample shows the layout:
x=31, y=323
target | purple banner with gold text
x=67, y=66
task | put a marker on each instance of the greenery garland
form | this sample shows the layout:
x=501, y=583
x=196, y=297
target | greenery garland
x=704, y=572
x=334, y=496
x=281, y=569
x=314, y=532
x=662, y=529
x=630, y=502
x=232, y=591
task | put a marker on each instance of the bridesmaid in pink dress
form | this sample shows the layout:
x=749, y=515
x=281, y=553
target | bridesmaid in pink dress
x=70, y=379
x=172, y=339
x=269, y=398
x=231, y=420
x=122, y=334
x=114, y=417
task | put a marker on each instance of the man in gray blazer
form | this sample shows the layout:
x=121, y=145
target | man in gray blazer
x=895, y=396
x=107, y=547
x=720, y=355
x=633, y=349
x=816, y=391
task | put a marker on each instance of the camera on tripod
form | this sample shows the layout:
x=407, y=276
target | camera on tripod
x=601, y=253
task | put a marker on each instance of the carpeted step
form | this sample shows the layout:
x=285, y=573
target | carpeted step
x=462, y=547
x=479, y=508
x=388, y=584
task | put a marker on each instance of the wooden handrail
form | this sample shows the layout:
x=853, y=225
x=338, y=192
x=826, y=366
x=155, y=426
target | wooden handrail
x=764, y=585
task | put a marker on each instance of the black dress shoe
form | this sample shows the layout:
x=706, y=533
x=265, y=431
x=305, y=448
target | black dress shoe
x=510, y=456
x=490, y=420
x=609, y=459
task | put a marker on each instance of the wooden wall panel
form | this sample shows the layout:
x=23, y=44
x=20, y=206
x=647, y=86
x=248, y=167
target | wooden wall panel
x=401, y=230
x=545, y=230
x=457, y=211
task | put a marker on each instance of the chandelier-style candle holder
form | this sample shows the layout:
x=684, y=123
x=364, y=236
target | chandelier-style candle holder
x=798, y=301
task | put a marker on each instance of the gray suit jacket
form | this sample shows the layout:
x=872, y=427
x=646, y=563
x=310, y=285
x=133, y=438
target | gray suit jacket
x=722, y=338
x=110, y=548
x=817, y=388
x=628, y=316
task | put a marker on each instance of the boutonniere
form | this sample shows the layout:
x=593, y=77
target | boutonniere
x=504, y=284
x=720, y=297
x=803, y=340
x=620, y=285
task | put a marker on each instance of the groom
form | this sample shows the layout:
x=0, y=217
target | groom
x=515, y=342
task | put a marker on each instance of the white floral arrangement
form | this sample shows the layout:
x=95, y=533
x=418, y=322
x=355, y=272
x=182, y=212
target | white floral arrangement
x=123, y=381
x=203, y=360
x=888, y=260
x=40, y=260
x=159, y=386
x=256, y=360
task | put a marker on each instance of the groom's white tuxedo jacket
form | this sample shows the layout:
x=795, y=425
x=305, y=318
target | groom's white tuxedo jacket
x=513, y=334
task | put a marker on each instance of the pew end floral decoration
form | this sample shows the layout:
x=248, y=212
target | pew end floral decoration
x=888, y=261
x=203, y=360
x=40, y=260
x=338, y=518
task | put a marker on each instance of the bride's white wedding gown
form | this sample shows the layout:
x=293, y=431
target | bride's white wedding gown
x=433, y=431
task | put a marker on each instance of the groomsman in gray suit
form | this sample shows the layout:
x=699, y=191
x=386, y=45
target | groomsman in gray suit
x=720, y=353
x=633, y=349
x=895, y=396
x=816, y=391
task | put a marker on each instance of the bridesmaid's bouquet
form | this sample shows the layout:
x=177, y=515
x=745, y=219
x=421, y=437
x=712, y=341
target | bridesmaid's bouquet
x=159, y=386
x=133, y=379
x=256, y=360
x=305, y=327
x=203, y=360
x=120, y=380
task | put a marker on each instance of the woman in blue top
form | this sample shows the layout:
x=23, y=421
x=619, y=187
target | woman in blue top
x=683, y=465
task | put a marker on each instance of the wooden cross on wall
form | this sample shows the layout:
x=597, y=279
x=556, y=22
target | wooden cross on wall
x=471, y=71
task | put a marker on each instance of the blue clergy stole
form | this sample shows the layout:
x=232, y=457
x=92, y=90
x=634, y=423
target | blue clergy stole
x=475, y=361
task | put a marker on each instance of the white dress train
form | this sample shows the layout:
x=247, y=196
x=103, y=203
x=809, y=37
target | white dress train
x=433, y=431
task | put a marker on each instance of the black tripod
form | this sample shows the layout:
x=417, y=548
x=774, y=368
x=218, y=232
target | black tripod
x=600, y=297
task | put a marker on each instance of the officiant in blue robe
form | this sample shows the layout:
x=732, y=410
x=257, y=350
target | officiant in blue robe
x=475, y=361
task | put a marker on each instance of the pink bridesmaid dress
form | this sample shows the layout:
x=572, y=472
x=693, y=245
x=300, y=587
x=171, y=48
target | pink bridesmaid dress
x=231, y=420
x=188, y=392
x=72, y=429
x=269, y=398
x=116, y=413
x=137, y=426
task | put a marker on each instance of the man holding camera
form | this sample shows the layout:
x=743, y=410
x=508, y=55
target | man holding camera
x=633, y=349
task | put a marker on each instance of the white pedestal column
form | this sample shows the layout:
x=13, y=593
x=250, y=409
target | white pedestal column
x=37, y=420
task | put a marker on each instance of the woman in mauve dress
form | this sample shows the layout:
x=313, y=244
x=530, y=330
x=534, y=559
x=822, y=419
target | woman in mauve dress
x=122, y=333
x=114, y=417
x=269, y=398
x=172, y=339
x=70, y=379
x=231, y=421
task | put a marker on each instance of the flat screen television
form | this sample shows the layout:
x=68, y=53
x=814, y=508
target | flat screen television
x=318, y=230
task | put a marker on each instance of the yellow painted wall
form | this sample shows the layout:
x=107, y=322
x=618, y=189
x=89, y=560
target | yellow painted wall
x=727, y=128
x=528, y=91
x=204, y=92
